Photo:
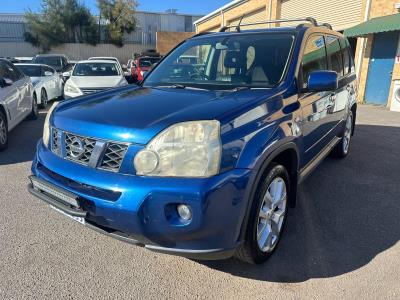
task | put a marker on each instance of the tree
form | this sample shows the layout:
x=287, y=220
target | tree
x=60, y=21
x=119, y=17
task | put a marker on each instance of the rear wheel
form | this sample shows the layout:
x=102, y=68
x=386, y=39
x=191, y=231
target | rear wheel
x=267, y=216
x=3, y=132
x=342, y=149
x=43, y=99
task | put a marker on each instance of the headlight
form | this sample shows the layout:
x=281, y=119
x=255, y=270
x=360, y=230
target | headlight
x=69, y=88
x=46, y=128
x=189, y=149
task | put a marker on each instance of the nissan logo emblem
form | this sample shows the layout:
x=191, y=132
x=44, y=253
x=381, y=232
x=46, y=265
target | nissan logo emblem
x=77, y=148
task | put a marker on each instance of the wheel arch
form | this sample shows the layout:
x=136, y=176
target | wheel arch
x=286, y=155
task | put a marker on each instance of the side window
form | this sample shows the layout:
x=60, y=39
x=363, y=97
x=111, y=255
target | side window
x=3, y=71
x=334, y=55
x=314, y=58
x=11, y=72
x=344, y=44
x=48, y=69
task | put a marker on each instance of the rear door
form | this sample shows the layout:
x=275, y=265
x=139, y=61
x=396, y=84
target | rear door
x=339, y=98
x=315, y=105
x=23, y=84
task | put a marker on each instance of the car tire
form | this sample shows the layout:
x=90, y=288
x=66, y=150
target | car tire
x=43, y=99
x=35, y=109
x=3, y=132
x=267, y=217
x=342, y=149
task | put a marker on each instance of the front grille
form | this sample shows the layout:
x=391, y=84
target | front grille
x=88, y=151
x=113, y=157
x=55, y=143
x=79, y=148
x=87, y=91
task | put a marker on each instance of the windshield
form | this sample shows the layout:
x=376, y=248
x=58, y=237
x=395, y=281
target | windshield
x=55, y=62
x=96, y=69
x=215, y=62
x=148, y=61
x=29, y=70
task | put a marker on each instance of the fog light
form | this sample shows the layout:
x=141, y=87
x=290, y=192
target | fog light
x=184, y=212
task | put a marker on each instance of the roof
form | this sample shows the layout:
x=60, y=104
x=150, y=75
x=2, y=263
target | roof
x=91, y=61
x=376, y=25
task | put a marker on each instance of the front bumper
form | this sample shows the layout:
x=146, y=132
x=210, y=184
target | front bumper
x=141, y=210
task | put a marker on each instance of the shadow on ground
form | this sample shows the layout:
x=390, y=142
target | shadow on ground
x=22, y=141
x=348, y=212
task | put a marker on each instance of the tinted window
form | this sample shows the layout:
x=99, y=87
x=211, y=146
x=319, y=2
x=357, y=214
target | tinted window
x=226, y=62
x=334, y=54
x=48, y=69
x=12, y=72
x=55, y=62
x=346, y=52
x=30, y=70
x=148, y=61
x=96, y=69
x=314, y=57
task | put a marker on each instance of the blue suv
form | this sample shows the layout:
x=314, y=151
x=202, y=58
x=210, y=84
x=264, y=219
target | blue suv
x=203, y=159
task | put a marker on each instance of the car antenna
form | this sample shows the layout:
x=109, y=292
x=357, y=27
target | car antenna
x=240, y=22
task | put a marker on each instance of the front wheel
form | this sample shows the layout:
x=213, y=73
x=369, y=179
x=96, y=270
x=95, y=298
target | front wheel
x=35, y=109
x=3, y=132
x=267, y=216
x=342, y=148
x=43, y=99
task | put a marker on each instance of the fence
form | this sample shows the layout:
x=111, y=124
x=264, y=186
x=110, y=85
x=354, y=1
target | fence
x=73, y=51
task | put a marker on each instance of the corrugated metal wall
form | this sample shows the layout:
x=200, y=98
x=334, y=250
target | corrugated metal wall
x=341, y=14
x=253, y=17
x=73, y=51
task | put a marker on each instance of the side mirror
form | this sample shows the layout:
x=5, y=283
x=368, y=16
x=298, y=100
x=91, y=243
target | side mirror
x=4, y=82
x=124, y=67
x=322, y=81
x=66, y=74
x=48, y=73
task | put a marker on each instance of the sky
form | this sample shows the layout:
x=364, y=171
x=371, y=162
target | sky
x=195, y=7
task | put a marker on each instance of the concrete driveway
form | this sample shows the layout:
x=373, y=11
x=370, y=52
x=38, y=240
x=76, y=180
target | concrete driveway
x=342, y=240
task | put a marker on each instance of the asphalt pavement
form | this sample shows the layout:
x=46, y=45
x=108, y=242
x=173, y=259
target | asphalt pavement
x=341, y=241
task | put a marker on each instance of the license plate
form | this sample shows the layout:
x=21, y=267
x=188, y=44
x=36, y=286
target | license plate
x=77, y=219
x=55, y=192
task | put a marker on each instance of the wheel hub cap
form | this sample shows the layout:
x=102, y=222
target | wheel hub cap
x=271, y=215
x=347, y=134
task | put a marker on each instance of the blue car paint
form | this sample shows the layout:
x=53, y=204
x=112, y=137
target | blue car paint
x=256, y=125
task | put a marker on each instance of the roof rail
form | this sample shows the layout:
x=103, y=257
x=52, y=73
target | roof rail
x=327, y=25
x=309, y=19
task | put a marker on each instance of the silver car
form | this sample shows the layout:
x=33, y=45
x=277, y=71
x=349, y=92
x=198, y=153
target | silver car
x=46, y=82
x=16, y=100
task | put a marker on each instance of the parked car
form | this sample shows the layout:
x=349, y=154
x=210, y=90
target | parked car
x=92, y=76
x=23, y=59
x=16, y=101
x=143, y=65
x=57, y=61
x=47, y=84
x=204, y=164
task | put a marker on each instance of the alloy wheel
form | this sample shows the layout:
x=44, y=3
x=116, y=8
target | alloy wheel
x=3, y=132
x=44, y=100
x=271, y=215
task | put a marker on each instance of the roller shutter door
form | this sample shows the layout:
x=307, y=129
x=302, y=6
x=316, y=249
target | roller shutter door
x=256, y=16
x=341, y=14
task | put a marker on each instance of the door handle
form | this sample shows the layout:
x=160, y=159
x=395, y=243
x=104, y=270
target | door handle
x=332, y=97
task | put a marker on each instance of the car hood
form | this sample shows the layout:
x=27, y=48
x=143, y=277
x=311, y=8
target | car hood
x=136, y=115
x=95, y=81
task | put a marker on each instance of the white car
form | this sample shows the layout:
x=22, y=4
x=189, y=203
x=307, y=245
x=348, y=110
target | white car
x=16, y=101
x=46, y=82
x=90, y=76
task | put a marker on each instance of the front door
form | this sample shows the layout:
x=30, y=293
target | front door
x=381, y=63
